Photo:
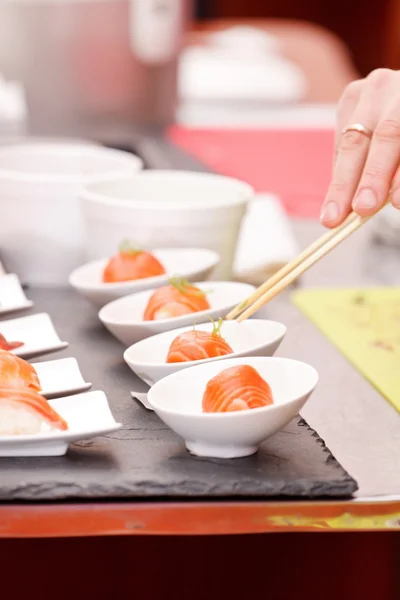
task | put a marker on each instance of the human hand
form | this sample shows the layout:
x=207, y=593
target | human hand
x=366, y=161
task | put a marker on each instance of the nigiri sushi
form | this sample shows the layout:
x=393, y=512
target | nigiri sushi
x=179, y=298
x=24, y=412
x=130, y=264
x=4, y=345
x=198, y=345
x=236, y=388
x=16, y=372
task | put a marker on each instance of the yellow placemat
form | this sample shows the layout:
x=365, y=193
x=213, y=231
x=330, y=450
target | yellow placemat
x=364, y=324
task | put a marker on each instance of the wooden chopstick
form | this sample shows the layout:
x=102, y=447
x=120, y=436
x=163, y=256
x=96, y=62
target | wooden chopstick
x=285, y=276
x=276, y=277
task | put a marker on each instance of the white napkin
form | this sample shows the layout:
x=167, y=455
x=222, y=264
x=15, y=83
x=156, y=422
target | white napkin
x=266, y=242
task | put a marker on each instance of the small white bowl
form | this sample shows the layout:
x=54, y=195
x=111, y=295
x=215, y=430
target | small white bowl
x=177, y=400
x=193, y=264
x=42, y=183
x=254, y=337
x=124, y=317
x=170, y=208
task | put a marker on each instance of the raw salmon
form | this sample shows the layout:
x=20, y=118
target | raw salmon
x=23, y=412
x=4, y=345
x=179, y=298
x=236, y=388
x=130, y=264
x=198, y=345
x=16, y=372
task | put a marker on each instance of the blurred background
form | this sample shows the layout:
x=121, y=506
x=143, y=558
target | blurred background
x=245, y=89
x=371, y=36
x=79, y=66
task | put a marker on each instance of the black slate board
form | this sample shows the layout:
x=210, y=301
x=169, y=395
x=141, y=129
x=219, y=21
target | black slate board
x=147, y=460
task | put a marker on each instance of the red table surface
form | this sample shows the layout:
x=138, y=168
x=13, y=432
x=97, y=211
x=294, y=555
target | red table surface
x=295, y=164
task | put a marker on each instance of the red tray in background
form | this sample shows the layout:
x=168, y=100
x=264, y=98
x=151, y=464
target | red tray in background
x=294, y=164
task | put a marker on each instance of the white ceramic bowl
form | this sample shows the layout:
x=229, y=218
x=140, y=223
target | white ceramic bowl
x=42, y=236
x=124, y=317
x=254, y=337
x=192, y=264
x=177, y=400
x=160, y=209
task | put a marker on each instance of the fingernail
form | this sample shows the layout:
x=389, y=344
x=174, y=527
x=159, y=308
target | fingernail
x=396, y=198
x=366, y=199
x=330, y=213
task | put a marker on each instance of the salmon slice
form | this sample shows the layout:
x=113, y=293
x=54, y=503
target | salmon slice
x=236, y=388
x=179, y=298
x=131, y=264
x=16, y=372
x=23, y=412
x=198, y=345
x=4, y=345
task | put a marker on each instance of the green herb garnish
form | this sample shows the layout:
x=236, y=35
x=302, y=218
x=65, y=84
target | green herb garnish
x=185, y=287
x=217, y=326
x=126, y=247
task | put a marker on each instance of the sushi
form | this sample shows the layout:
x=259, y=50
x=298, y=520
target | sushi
x=198, y=345
x=4, y=345
x=131, y=264
x=16, y=372
x=24, y=412
x=236, y=388
x=179, y=298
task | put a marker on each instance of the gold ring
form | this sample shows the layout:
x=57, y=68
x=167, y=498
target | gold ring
x=360, y=128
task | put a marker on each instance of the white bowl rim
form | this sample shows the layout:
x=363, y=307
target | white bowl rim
x=199, y=313
x=69, y=149
x=102, y=286
x=193, y=363
x=234, y=414
x=89, y=193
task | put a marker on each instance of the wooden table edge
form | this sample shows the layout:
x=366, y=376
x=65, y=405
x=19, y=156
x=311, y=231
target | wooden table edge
x=50, y=520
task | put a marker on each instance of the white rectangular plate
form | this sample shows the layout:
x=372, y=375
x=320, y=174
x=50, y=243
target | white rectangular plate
x=12, y=296
x=61, y=378
x=36, y=332
x=88, y=415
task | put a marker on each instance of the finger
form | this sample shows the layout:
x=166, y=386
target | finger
x=346, y=107
x=396, y=190
x=353, y=150
x=381, y=165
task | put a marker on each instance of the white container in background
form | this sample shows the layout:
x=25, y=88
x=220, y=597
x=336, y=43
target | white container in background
x=155, y=30
x=161, y=209
x=41, y=225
